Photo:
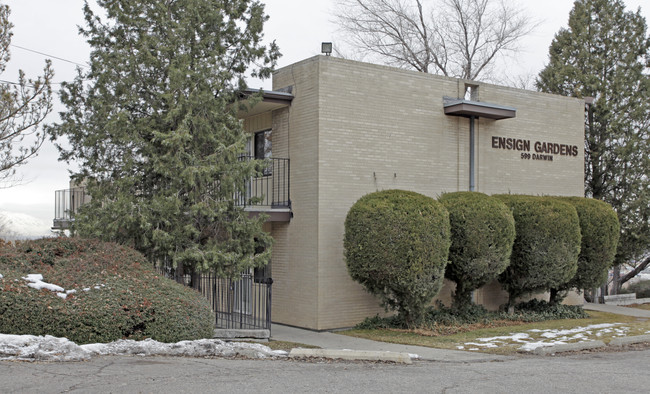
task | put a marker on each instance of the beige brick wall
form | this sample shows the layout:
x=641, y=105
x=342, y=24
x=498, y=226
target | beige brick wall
x=295, y=256
x=259, y=122
x=355, y=128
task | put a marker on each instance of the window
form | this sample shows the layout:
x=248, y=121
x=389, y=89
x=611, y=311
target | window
x=263, y=145
x=471, y=92
x=262, y=149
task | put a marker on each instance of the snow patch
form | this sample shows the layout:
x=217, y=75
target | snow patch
x=549, y=337
x=49, y=348
x=40, y=348
x=36, y=282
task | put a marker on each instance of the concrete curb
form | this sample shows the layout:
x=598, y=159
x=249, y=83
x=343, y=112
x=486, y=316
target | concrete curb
x=368, y=355
x=239, y=334
x=622, y=341
x=568, y=347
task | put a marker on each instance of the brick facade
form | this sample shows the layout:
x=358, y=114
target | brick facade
x=355, y=128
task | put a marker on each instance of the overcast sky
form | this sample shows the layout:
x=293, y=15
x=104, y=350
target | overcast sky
x=298, y=26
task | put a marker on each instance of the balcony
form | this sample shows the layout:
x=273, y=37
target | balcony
x=66, y=205
x=266, y=193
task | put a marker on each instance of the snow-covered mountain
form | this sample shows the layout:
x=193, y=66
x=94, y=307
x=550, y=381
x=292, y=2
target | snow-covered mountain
x=14, y=225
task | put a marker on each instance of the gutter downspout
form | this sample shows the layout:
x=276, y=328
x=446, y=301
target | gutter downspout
x=472, y=185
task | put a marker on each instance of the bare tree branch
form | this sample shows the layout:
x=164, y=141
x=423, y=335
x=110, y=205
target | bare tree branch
x=23, y=106
x=460, y=38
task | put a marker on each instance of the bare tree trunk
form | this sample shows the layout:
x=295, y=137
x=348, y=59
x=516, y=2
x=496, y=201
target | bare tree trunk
x=644, y=264
x=616, y=279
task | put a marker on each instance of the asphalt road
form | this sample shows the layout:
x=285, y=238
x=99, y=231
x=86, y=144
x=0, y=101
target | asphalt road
x=588, y=372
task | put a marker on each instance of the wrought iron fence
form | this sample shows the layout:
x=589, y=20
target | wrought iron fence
x=242, y=303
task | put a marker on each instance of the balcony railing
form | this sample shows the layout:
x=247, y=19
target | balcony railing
x=270, y=189
x=265, y=192
x=66, y=205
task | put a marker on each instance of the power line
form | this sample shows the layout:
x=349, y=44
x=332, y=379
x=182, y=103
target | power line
x=53, y=57
x=18, y=84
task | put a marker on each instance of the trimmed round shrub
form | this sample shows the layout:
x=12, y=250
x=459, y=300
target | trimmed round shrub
x=396, y=245
x=547, y=244
x=482, y=234
x=111, y=292
x=600, y=231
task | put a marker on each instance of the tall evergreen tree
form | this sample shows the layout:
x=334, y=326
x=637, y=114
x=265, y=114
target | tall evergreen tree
x=605, y=54
x=153, y=127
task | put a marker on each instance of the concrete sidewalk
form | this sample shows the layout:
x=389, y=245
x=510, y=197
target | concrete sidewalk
x=619, y=310
x=328, y=340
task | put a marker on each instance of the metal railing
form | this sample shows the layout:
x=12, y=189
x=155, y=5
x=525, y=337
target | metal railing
x=270, y=188
x=66, y=205
x=237, y=303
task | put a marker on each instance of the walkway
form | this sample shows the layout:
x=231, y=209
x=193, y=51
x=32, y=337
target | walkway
x=619, y=310
x=328, y=340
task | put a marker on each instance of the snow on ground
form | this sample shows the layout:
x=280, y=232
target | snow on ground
x=49, y=348
x=535, y=338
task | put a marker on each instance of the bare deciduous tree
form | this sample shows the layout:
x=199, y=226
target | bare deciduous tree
x=23, y=106
x=458, y=38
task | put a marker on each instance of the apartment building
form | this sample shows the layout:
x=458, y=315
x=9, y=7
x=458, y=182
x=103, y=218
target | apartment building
x=335, y=130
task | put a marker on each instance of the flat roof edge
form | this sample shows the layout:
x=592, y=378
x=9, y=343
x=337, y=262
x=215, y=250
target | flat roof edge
x=468, y=108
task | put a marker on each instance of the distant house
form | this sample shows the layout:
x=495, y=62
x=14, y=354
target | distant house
x=336, y=130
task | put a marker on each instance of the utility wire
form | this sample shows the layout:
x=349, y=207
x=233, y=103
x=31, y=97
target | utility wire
x=53, y=57
x=18, y=84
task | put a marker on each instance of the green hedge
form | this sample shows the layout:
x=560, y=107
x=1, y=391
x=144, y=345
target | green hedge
x=641, y=289
x=396, y=245
x=600, y=231
x=123, y=296
x=482, y=234
x=547, y=244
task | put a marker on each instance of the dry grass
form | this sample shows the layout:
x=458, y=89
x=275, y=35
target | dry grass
x=446, y=337
x=287, y=346
x=640, y=306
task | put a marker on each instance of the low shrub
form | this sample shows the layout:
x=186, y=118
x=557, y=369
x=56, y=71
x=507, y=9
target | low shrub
x=641, y=288
x=117, y=295
x=540, y=310
x=396, y=245
x=482, y=234
x=435, y=318
x=547, y=244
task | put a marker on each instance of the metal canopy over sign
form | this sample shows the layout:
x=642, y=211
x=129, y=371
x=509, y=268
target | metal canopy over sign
x=478, y=109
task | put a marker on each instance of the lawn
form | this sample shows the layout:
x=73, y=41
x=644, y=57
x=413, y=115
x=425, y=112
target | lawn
x=640, y=306
x=511, y=337
x=287, y=346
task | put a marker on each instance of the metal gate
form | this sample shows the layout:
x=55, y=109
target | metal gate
x=240, y=303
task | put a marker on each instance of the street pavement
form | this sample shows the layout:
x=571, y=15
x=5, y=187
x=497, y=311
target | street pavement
x=617, y=372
